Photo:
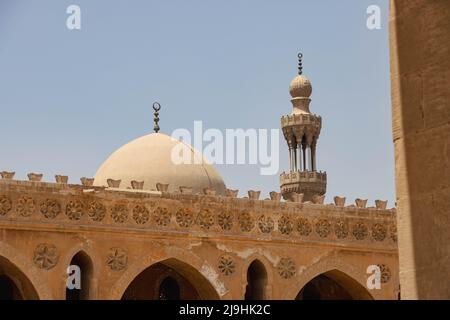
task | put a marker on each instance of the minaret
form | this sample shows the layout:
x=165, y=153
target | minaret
x=301, y=130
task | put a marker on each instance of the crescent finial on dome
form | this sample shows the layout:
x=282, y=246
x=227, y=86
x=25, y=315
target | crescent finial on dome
x=156, y=108
x=300, y=65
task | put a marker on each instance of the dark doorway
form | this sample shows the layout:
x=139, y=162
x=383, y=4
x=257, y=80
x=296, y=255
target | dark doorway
x=256, y=281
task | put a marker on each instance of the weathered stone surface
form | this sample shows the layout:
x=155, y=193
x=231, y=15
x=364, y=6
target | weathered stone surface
x=420, y=82
x=114, y=183
x=339, y=201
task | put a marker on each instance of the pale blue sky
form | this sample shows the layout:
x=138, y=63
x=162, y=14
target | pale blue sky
x=70, y=98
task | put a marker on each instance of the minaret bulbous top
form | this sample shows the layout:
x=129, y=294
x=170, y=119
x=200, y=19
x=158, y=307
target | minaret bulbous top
x=300, y=87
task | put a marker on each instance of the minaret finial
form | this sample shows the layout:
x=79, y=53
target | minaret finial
x=300, y=66
x=156, y=108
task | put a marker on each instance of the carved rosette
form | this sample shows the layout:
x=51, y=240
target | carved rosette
x=205, y=219
x=5, y=205
x=265, y=224
x=379, y=232
x=285, y=225
x=246, y=221
x=385, y=273
x=25, y=206
x=117, y=259
x=96, y=211
x=323, y=228
x=119, y=212
x=341, y=229
x=286, y=268
x=140, y=214
x=162, y=216
x=360, y=231
x=45, y=256
x=184, y=217
x=226, y=265
x=304, y=227
x=74, y=210
x=50, y=208
x=393, y=232
x=225, y=220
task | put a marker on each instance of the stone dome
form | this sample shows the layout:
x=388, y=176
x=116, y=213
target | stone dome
x=300, y=87
x=149, y=159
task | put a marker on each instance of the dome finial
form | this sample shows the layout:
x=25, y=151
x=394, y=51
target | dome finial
x=156, y=108
x=300, y=66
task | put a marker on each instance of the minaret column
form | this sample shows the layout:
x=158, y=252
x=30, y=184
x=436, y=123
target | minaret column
x=313, y=155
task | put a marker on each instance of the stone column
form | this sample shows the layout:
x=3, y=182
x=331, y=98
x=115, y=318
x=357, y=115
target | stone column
x=304, y=156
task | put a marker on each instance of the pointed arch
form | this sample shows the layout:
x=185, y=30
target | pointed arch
x=170, y=279
x=26, y=277
x=82, y=260
x=14, y=284
x=348, y=275
x=256, y=284
x=333, y=285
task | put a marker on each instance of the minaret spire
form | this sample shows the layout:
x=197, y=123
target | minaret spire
x=156, y=108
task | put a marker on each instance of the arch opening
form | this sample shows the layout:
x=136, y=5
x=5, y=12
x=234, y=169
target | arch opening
x=83, y=292
x=256, y=281
x=14, y=284
x=333, y=285
x=170, y=280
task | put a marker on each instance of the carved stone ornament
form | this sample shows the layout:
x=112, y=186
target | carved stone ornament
x=285, y=225
x=184, y=217
x=227, y=265
x=117, y=259
x=265, y=224
x=286, y=268
x=25, y=206
x=225, y=220
x=74, y=210
x=162, y=216
x=96, y=211
x=360, y=231
x=304, y=227
x=50, y=208
x=379, y=232
x=119, y=212
x=205, y=219
x=246, y=221
x=323, y=228
x=45, y=256
x=5, y=205
x=140, y=214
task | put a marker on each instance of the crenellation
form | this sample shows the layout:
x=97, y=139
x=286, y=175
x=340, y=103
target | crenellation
x=87, y=182
x=137, y=185
x=61, y=179
x=7, y=175
x=36, y=177
x=339, y=201
x=114, y=183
